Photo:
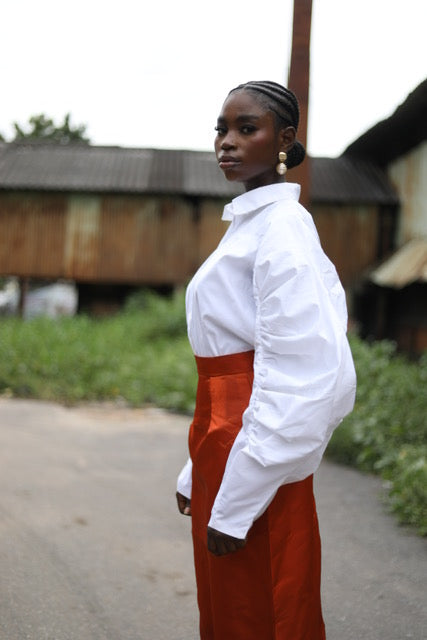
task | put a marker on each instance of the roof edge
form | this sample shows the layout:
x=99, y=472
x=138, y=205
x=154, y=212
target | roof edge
x=384, y=142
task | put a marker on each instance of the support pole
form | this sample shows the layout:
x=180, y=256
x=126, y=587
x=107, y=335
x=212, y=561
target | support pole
x=299, y=83
x=23, y=290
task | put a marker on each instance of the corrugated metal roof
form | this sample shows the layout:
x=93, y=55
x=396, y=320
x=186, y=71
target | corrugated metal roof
x=407, y=265
x=50, y=167
x=350, y=181
x=85, y=168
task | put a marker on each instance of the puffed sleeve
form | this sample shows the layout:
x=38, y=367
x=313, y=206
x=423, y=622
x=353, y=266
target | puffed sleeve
x=184, y=482
x=304, y=379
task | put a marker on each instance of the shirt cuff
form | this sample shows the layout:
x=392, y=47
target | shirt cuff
x=184, y=483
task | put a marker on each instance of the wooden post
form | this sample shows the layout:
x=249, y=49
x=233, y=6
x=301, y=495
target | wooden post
x=23, y=290
x=299, y=82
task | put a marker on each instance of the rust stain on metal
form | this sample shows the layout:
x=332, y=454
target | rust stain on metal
x=349, y=236
x=111, y=238
x=81, y=237
x=211, y=228
x=148, y=239
x=31, y=234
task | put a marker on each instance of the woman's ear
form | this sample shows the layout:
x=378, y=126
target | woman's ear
x=287, y=138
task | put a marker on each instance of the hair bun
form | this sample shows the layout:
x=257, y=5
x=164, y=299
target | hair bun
x=295, y=155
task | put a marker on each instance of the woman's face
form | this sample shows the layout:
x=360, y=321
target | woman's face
x=247, y=143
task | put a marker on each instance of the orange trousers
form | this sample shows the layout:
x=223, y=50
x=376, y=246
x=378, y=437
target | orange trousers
x=270, y=590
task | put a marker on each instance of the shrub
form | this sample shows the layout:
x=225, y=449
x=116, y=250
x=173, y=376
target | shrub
x=387, y=431
x=140, y=356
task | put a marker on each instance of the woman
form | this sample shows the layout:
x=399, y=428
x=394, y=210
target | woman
x=267, y=322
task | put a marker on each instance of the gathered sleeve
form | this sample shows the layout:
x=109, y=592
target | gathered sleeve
x=184, y=482
x=304, y=380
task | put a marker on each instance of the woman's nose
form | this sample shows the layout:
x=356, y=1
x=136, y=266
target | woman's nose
x=228, y=142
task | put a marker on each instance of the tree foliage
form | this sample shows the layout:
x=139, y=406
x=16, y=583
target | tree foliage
x=40, y=127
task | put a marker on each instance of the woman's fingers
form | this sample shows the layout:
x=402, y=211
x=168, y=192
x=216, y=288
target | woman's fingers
x=184, y=504
x=220, y=544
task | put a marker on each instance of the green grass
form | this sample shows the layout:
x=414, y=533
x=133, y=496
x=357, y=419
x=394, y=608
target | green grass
x=141, y=356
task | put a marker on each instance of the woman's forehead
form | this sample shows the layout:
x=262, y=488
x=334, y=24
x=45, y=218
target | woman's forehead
x=241, y=102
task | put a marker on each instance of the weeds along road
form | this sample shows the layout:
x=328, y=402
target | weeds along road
x=92, y=547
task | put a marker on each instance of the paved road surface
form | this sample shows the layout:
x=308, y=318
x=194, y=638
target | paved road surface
x=92, y=548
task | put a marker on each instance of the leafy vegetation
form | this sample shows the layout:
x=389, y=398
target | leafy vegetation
x=42, y=128
x=141, y=356
x=387, y=432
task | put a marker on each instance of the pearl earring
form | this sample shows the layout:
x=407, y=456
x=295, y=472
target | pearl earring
x=281, y=168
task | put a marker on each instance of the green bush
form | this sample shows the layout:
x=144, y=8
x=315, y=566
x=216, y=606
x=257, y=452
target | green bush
x=140, y=356
x=387, y=431
x=408, y=486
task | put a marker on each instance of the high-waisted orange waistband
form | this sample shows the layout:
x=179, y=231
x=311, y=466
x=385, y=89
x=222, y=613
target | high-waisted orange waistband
x=225, y=365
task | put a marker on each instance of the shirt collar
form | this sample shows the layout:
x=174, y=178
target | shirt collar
x=257, y=198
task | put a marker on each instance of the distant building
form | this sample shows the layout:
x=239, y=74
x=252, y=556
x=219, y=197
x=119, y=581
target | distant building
x=395, y=305
x=146, y=217
x=111, y=219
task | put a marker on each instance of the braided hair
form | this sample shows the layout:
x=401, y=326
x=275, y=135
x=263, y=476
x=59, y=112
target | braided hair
x=284, y=105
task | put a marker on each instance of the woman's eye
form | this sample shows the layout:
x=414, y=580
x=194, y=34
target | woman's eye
x=248, y=128
x=220, y=130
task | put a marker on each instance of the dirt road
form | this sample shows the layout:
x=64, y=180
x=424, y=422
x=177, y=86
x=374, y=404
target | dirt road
x=92, y=548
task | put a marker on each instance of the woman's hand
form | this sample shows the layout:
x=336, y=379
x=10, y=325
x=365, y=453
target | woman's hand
x=220, y=543
x=184, y=504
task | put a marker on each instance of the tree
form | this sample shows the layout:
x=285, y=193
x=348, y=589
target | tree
x=43, y=128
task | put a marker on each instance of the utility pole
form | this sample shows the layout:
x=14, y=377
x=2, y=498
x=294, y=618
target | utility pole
x=299, y=83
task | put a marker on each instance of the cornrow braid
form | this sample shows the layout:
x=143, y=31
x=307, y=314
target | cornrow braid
x=284, y=104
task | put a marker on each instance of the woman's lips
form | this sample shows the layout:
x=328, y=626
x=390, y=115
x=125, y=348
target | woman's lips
x=227, y=162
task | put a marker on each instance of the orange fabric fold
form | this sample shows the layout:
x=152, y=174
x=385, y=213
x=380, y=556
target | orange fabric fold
x=269, y=590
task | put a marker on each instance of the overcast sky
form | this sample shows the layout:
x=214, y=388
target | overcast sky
x=154, y=73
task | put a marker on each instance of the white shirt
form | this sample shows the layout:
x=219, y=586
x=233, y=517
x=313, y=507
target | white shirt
x=270, y=287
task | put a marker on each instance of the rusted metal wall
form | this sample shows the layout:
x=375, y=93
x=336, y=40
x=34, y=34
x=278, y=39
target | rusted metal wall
x=210, y=227
x=129, y=239
x=408, y=174
x=31, y=234
x=349, y=236
x=141, y=240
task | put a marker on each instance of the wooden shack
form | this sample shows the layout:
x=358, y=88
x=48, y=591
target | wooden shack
x=110, y=216
x=394, y=298
x=105, y=215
